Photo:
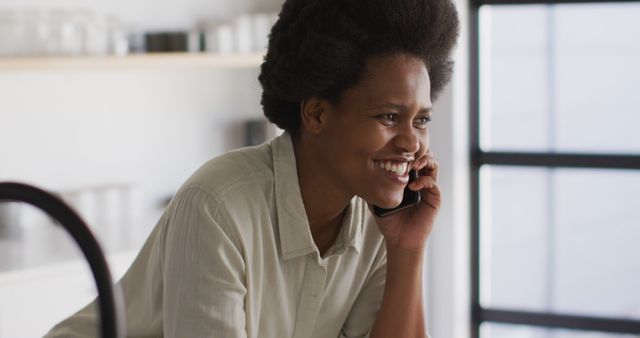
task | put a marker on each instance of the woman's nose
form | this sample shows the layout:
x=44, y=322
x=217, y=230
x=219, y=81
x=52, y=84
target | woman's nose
x=408, y=140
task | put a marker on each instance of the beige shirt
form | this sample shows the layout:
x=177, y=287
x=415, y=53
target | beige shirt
x=232, y=256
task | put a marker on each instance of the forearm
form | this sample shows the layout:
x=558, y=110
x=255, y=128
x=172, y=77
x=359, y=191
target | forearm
x=401, y=313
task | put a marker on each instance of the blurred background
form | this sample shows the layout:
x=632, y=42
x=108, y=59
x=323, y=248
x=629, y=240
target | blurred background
x=113, y=104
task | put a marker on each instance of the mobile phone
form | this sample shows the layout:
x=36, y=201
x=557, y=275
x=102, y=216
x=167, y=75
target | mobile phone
x=409, y=199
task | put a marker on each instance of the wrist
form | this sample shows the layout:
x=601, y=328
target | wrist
x=395, y=250
x=404, y=267
x=393, y=247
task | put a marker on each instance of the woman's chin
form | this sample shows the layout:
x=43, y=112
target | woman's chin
x=386, y=202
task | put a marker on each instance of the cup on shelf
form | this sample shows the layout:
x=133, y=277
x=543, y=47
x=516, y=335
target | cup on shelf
x=83, y=201
x=135, y=40
x=6, y=32
x=117, y=42
x=113, y=211
x=180, y=41
x=65, y=34
x=13, y=34
x=96, y=37
x=40, y=31
x=261, y=25
x=219, y=39
x=58, y=31
x=243, y=34
x=106, y=209
x=194, y=41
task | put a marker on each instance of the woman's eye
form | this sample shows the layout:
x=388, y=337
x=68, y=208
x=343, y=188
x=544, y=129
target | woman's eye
x=422, y=121
x=389, y=117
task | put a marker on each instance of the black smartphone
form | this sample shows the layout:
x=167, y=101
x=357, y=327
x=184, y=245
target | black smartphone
x=409, y=199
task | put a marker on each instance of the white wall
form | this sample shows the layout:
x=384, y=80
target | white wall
x=447, y=275
x=149, y=128
x=72, y=129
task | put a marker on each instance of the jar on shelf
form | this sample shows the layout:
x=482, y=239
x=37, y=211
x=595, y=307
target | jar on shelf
x=117, y=40
x=13, y=37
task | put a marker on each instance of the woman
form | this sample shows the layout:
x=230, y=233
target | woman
x=279, y=240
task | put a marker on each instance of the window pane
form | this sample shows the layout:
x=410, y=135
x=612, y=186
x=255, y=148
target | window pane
x=561, y=240
x=560, y=77
x=521, y=331
x=513, y=231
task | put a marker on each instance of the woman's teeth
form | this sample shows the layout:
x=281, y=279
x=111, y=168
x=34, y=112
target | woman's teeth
x=398, y=168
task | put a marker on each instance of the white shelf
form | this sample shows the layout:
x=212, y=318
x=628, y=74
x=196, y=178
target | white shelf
x=133, y=61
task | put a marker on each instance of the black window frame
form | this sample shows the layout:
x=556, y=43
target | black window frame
x=478, y=158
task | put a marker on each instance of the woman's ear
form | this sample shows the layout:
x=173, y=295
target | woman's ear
x=314, y=114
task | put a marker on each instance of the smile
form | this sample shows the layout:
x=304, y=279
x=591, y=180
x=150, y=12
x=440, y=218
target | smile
x=394, y=167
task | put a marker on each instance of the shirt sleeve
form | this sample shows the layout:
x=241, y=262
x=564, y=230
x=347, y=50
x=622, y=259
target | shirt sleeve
x=204, y=273
x=365, y=309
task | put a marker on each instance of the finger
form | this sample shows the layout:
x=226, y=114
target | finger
x=423, y=182
x=417, y=164
x=433, y=166
x=432, y=196
x=429, y=167
x=420, y=163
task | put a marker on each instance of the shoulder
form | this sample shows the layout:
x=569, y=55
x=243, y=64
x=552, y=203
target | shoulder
x=237, y=169
x=236, y=189
x=236, y=183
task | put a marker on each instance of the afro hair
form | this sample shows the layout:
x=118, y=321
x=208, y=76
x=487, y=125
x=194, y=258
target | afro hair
x=319, y=48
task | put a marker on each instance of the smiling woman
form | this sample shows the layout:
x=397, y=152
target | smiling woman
x=279, y=240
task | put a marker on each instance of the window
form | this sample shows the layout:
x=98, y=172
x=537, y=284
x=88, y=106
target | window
x=556, y=169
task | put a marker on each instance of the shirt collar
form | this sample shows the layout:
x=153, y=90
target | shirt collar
x=295, y=234
x=351, y=231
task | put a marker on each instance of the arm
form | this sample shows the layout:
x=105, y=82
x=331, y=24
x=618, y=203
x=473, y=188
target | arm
x=203, y=273
x=188, y=280
x=401, y=313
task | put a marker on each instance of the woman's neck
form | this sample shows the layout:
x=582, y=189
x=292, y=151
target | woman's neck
x=324, y=202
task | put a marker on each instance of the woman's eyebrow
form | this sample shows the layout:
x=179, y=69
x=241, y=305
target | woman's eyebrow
x=402, y=108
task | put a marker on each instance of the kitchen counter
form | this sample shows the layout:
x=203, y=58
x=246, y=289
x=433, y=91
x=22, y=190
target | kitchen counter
x=43, y=244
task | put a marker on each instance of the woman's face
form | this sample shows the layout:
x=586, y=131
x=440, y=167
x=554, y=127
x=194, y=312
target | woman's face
x=372, y=137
